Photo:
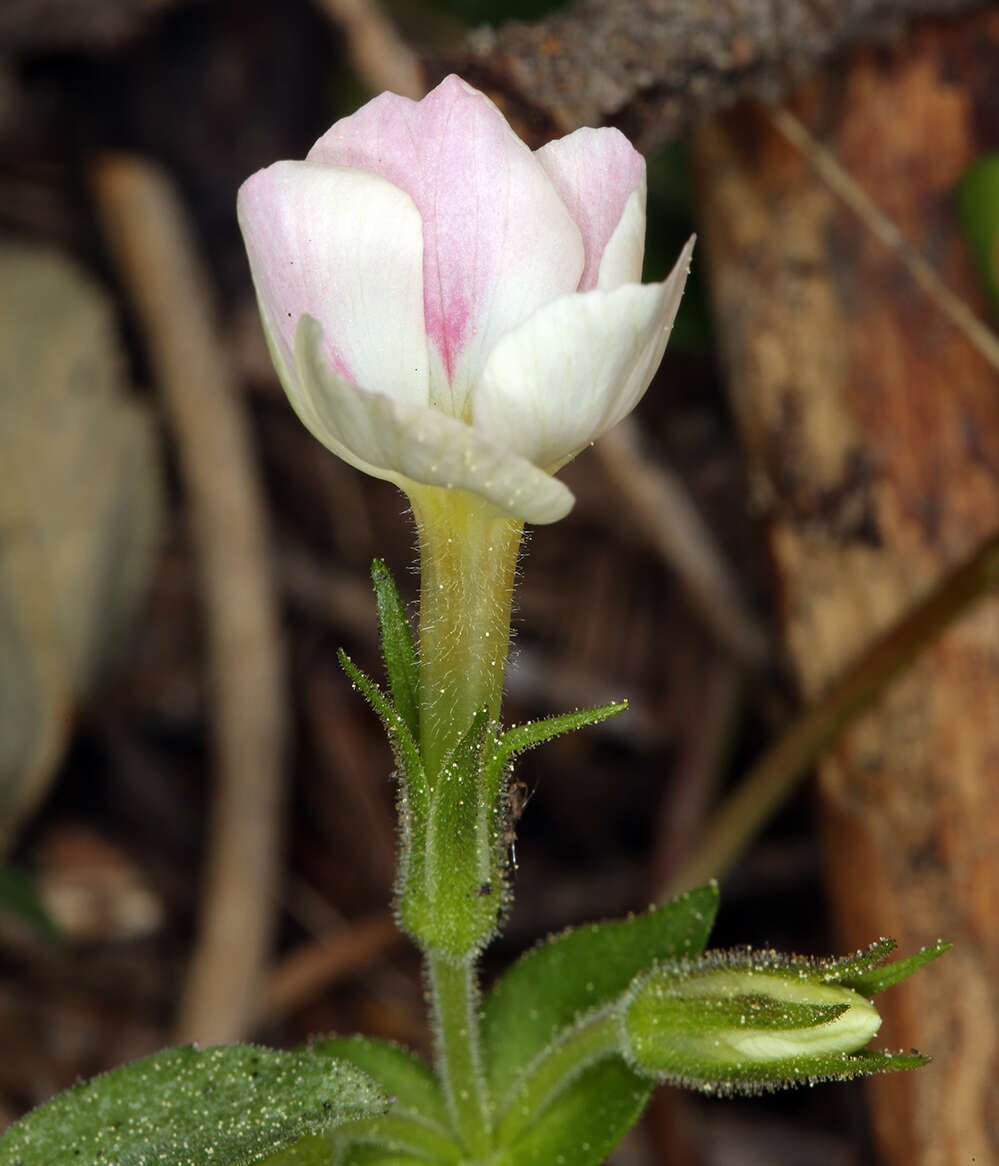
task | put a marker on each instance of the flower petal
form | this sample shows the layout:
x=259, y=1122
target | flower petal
x=576, y=368
x=498, y=240
x=598, y=173
x=622, y=259
x=346, y=248
x=401, y=441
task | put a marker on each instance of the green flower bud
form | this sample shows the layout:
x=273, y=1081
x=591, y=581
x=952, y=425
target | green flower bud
x=746, y=1021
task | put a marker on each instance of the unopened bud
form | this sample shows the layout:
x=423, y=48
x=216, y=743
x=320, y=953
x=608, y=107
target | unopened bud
x=744, y=1022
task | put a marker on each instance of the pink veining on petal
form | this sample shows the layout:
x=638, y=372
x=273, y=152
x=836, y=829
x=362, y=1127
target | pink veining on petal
x=498, y=242
x=337, y=361
x=595, y=171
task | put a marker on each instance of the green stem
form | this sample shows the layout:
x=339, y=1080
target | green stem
x=468, y=555
x=454, y=1001
x=598, y=1036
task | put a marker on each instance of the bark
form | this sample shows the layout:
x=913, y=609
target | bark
x=872, y=427
x=651, y=67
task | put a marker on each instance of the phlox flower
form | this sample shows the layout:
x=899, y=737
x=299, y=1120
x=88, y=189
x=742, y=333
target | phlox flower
x=445, y=307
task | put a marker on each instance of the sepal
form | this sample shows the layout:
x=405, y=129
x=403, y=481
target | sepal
x=519, y=738
x=871, y=980
x=404, y=747
x=452, y=889
x=398, y=649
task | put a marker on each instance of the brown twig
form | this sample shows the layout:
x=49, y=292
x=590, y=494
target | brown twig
x=651, y=67
x=311, y=969
x=777, y=773
x=668, y=516
x=153, y=246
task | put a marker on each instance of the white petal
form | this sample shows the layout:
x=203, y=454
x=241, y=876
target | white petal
x=399, y=441
x=576, y=367
x=347, y=249
x=622, y=258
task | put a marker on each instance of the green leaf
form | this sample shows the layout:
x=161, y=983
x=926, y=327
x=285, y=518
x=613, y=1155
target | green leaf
x=398, y=649
x=550, y=987
x=586, y=1121
x=18, y=897
x=373, y=1156
x=311, y=1151
x=876, y=980
x=231, y=1106
x=418, y=1121
x=398, y=1071
x=978, y=208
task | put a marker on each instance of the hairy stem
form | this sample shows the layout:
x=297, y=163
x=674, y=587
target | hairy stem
x=454, y=1002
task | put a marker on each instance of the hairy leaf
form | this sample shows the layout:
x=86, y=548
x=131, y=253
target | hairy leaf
x=580, y=970
x=231, y=1105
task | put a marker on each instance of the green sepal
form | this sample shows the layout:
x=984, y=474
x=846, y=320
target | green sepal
x=451, y=890
x=795, y=1071
x=580, y=970
x=585, y=1122
x=840, y=969
x=231, y=1105
x=398, y=649
x=978, y=209
x=875, y=980
x=407, y=753
x=520, y=738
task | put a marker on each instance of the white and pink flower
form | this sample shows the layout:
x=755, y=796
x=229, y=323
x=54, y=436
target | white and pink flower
x=445, y=307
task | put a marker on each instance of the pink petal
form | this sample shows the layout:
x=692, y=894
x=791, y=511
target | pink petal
x=347, y=249
x=498, y=241
x=596, y=172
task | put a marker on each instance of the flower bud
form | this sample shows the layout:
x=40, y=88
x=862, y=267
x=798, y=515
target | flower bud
x=744, y=1022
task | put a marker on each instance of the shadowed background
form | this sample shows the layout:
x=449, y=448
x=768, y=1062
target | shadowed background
x=188, y=787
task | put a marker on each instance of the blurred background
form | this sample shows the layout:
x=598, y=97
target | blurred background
x=196, y=811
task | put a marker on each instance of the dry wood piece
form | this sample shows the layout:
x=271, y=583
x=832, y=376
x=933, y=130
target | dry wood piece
x=651, y=67
x=152, y=244
x=872, y=425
